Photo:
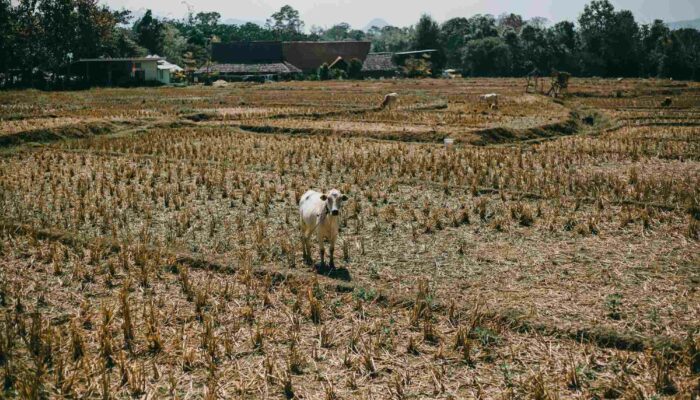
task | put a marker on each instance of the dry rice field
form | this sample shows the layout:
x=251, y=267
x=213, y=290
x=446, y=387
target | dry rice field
x=149, y=242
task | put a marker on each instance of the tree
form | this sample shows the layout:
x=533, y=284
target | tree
x=336, y=32
x=689, y=40
x=680, y=55
x=535, y=50
x=355, y=69
x=28, y=40
x=428, y=37
x=251, y=31
x=150, y=33
x=653, y=40
x=7, y=35
x=207, y=19
x=518, y=65
x=623, y=46
x=481, y=26
x=564, y=47
x=286, y=23
x=125, y=45
x=427, y=34
x=341, y=31
x=596, y=22
x=41, y=35
x=391, y=38
x=324, y=72
x=510, y=21
x=538, y=22
x=59, y=18
x=453, y=34
x=487, y=57
x=174, y=44
x=610, y=40
x=95, y=28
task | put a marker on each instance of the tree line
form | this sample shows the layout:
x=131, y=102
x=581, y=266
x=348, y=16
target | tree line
x=40, y=38
x=604, y=42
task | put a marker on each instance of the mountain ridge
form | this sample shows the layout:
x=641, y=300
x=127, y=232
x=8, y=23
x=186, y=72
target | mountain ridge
x=378, y=22
x=689, y=23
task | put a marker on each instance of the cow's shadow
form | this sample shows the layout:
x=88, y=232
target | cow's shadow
x=324, y=269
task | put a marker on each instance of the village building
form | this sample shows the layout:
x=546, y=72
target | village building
x=274, y=60
x=167, y=71
x=278, y=60
x=247, y=60
x=124, y=71
x=379, y=65
x=309, y=56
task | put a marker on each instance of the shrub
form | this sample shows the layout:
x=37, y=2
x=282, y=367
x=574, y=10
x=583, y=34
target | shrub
x=324, y=72
x=338, y=74
x=417, y=68
x=355, y=69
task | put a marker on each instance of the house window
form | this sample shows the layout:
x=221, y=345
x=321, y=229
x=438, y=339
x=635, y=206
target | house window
x=137, y=66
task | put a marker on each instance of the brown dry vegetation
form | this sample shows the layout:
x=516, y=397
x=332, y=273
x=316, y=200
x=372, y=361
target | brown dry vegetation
x=552, y=253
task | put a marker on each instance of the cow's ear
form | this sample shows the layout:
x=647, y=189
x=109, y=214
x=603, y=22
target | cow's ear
x=344, y=198
x=324, y=197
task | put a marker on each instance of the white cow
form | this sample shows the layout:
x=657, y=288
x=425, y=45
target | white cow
x=490, y=98
x=319, y=212
x=389, y=99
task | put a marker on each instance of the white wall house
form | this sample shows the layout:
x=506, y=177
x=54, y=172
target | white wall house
x=117, y=70
x=166, y=71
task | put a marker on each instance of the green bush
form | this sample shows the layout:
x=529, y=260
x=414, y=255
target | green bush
x=338, y=74
x=324, y=72
x=417, y=68
x=355, y=69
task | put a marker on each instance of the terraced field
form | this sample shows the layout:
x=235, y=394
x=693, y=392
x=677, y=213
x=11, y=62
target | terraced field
x=150, y=242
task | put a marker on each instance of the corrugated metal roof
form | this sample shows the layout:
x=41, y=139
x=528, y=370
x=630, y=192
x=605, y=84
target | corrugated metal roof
x=406, y=53
x=164, y=65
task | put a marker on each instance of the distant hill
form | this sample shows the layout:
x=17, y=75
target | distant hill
x=378, y=22
x=691, y=23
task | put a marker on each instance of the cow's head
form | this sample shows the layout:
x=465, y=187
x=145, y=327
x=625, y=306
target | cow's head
x=334, y=201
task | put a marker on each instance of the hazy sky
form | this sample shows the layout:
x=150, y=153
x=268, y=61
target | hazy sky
x=359, y=12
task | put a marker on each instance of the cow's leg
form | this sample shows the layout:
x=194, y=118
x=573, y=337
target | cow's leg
x=331, y=250
x=322, y=251
x=321, y=248
x=306, y=244
x=302, y=236
x=305, y=247
x=307, y=240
